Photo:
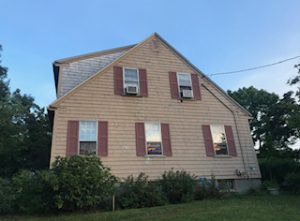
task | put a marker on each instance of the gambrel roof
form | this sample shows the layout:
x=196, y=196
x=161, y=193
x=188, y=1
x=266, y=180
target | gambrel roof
x=115, y=55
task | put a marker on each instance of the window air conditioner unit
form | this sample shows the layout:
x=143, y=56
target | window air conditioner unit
x=132, y=90
x=187, y=94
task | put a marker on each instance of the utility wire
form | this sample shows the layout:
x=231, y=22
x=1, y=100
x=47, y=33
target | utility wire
x=255, y=68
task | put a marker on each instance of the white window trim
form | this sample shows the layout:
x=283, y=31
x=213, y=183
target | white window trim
x=78, y=151
x=220, y=155
x=138, y=78
x=178, y=83
x=162, y=147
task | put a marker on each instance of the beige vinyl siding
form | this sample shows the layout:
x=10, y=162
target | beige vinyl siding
x=96, y=100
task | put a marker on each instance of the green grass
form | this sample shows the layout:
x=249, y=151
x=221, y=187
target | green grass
x=256, y=208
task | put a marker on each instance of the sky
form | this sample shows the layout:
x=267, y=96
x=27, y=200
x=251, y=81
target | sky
x=216, y=36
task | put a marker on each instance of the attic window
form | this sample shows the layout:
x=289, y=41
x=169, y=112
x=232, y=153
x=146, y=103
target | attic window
x=185, y=85
x=131, y=78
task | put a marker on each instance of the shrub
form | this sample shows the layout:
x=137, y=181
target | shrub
x=6, y=197
x=207, y=188
x=292, y=182
x=139, y=192
x=277, y=169
x=83, y=183
x=178, y=186
x=33, y=191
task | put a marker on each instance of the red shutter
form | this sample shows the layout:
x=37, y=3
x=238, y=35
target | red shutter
x=72, y=138
x=196, y=86
x=166, y=139
x=230, y=141
x=208, y=141
x=102, y=138
x=173, y=85
x=118, y=80
x=143, y=82
x=140, y=139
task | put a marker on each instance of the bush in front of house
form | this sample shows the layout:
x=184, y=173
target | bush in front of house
x=74, y=183
x=139, y=192
x=178, y=186
x=207, y=188
x=83, y=183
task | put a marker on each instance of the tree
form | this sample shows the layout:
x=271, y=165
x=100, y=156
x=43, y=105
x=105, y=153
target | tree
x=272, y=126
x=296, y=80
x=24, y=131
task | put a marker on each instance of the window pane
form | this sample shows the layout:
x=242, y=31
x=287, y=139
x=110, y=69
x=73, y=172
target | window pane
x=184, y=80
x=131, y=76
x=88, y=130
x=153, y=138
x=219, y=139
x=154, y=148
x=87, y=147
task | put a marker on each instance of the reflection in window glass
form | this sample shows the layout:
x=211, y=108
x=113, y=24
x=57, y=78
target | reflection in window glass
x=219, y=139
x=87, y=137
x=153, y=138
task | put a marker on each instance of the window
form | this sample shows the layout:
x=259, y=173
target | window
x=131, y=77
x=153, y=138
x=226, y=185
x=219, y=139
x=185, y=85
x=87, y=137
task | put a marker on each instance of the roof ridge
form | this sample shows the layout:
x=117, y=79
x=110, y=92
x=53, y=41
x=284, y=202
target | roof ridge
x=92, y=54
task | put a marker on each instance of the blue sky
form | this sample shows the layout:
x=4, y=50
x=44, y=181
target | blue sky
x=216, y=36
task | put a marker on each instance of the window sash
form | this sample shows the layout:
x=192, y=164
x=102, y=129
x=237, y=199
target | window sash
x=131, y=77
x=184, y=80
x=88, y=135
x=153, y=139
x=219, y=139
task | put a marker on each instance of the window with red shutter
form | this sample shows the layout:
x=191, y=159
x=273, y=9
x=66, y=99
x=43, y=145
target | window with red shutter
x=118, y=80
x=196, y=86
x=143, y=83
x=140, y=139
x=102, y=138
x=208, y=141
x=230, y=141
x=173, y=85
x=166, y=140
x=72, y=138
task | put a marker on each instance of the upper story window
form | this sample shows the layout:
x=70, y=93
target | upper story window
x=153, y=138
x=185, y=85
x=87, y=137
x=131, y=81
x=219, y=139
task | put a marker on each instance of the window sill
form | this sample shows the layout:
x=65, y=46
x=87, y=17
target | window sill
x=155, y=156
x=222, y=156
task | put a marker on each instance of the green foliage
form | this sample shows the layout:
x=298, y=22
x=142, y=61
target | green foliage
x=207, y=188
x=83, y=183
x=139, y=192
x=7, y=197
x=24, y=131
x=292, y=182
x=33, y=191
x=75, y=183
x=178, y=186
x=276, y=169
x=273, y=126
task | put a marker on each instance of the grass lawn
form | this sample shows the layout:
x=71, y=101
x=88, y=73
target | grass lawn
x=256, y=208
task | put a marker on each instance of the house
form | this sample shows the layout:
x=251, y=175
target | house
x=146, y=108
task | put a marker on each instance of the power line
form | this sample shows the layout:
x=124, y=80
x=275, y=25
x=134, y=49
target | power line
x=255, y=68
